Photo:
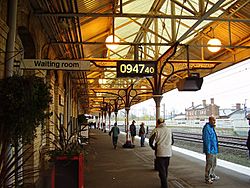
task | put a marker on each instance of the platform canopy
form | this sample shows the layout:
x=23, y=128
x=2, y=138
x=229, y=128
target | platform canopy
x=146, y=29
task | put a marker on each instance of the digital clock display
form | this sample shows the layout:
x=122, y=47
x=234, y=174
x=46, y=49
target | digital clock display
x=136, y=68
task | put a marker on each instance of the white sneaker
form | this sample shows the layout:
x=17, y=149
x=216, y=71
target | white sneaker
x=215, y=178
x=209, y=181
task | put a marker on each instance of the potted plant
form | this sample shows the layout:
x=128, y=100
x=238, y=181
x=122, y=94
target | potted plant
x=67, y=157
x=24, y=101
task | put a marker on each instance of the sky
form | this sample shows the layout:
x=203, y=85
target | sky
x=227, y=87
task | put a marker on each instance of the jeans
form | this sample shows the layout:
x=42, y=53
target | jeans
x=115, y=139
x=162, y=166
x=142, y=140
x=210, y=166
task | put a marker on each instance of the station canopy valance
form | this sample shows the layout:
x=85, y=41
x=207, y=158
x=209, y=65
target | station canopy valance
x=144, y=30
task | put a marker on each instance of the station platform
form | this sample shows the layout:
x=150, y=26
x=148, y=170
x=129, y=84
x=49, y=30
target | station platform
x=106, y=167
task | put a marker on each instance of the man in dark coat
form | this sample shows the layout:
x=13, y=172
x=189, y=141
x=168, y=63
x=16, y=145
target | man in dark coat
x=132, y=130
x=115, y=131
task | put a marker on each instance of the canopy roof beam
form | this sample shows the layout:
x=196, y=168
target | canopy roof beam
x=135, y=15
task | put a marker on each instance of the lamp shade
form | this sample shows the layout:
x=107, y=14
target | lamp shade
x=109, y=39
x=214, y=42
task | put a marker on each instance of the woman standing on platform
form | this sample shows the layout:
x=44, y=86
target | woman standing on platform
x=142, y=134
x=115, y=131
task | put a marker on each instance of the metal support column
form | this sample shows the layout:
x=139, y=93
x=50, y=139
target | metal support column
x=157, y=99
x=128, y=143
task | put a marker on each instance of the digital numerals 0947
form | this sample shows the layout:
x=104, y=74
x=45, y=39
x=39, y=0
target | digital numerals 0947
x=137, y=68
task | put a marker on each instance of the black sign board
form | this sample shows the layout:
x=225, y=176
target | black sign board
x=190, y=83
x=136, y=68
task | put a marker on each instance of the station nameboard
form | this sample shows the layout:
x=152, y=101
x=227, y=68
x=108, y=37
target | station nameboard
x=136, y=68
x=47, y=64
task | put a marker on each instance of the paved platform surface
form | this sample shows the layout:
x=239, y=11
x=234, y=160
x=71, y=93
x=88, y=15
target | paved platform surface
x=106, y=167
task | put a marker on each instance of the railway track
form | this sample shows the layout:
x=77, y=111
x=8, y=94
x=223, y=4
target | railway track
x=224, y=141
x=232, y=142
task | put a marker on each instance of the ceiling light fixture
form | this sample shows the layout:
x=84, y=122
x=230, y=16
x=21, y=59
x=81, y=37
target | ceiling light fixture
x=214, y=45
x=112, y=39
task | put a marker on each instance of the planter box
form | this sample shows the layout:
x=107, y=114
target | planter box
x=68, y=172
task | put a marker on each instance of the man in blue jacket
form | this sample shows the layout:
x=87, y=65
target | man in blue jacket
x=210, y=148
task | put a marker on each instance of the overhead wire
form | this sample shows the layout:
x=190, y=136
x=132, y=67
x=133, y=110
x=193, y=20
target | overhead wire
x=231, y=74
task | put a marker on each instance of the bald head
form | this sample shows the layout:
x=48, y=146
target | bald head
x=212, y=120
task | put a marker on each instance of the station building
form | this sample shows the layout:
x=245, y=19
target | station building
x=162, y=45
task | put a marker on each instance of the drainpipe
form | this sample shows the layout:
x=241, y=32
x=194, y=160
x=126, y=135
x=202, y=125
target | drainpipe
x=10, y=43
x=66, y=94
x=9, y=60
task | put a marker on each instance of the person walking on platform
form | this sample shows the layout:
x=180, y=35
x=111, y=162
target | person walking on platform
x=115, y=131
x=248, y=143
x=132, y=130
x=142, y=134
x=163, y=139
x=210, y=148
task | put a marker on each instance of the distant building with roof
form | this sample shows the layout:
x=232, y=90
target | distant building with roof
x=180, y=116
x=202, y=111
x=235, y=113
